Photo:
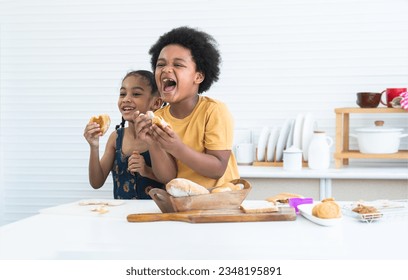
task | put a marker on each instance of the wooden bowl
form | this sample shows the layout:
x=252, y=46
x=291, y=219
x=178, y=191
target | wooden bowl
x=212, y=201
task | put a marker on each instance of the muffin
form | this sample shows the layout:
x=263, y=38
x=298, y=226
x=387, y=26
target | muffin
x=327, y=209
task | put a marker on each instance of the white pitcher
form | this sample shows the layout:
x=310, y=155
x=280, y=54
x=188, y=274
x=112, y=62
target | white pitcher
x=319, y=151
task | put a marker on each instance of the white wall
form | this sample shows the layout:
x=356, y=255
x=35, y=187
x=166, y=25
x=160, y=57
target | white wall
x=62, y=61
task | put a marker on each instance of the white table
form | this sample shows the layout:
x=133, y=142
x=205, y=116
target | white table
x=71, y=231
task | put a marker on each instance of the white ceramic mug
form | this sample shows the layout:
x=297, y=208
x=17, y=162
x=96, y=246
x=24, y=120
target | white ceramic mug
x=244, y=152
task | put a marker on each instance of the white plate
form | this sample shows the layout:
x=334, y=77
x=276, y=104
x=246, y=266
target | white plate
x=306, y=211
x=272, y=141
x=309, y=126
x=297, y=132
x=263, y=140
x=283, y=137
x=289, y=143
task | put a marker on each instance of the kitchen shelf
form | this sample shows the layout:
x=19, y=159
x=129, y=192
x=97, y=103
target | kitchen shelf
x=343, y=154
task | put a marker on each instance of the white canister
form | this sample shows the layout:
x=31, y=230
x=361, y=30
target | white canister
x=292, y=159
x=244, y=153
x=319, y=151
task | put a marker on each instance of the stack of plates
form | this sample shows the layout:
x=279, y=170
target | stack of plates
x=262, y=142
x=294, y=132
x=272, y=142
x=305, y=125
x=283, y=138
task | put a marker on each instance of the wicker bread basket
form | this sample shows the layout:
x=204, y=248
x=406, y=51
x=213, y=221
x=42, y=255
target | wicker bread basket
x=212, y=201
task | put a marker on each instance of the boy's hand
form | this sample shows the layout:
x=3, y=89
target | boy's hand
x=166, y=138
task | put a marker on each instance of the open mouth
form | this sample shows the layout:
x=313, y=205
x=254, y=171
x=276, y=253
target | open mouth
x=127, y=109
x=169, y=84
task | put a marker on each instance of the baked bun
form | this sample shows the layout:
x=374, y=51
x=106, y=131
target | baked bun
x=103, y=121
x=327, y=209
x=179, y=187
x=159, y=121
x=282, y=197
x=226, y=187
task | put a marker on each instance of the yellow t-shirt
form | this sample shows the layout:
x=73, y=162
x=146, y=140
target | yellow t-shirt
x=210, y=126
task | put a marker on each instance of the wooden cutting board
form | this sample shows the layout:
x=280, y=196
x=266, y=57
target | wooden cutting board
x=216, y=216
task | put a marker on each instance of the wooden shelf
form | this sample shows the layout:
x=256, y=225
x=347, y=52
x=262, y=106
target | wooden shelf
x=369, y=110
x=402, y=154
x=343, y=154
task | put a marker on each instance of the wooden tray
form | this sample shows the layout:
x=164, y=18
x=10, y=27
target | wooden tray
x=216, y=216
x=223, y=200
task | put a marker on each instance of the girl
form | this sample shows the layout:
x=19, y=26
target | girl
x=125, y=155
x=197, y=143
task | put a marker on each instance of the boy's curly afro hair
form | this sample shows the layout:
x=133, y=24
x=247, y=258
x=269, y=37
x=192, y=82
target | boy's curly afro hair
x=203, y=48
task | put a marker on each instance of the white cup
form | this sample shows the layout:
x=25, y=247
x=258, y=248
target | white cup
x=244, y=153
x=241, y=136
x=292, y=159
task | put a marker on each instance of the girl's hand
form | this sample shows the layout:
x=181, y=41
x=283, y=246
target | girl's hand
x=142, y=125
x=136, y=163
x=92, y=133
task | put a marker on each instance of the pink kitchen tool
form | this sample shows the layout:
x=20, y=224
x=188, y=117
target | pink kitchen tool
x=295, y=201
x=404, y=101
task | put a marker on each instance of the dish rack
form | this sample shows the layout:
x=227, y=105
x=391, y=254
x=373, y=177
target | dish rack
x=273, y=163
x=294, y=131
x=343, y=153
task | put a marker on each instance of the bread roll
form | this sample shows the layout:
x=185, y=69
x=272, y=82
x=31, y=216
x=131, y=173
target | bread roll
x=180, y=187
x=159, y=121
x=103, y=121
x=282, y=197
x=327, y=209
x=226, y=187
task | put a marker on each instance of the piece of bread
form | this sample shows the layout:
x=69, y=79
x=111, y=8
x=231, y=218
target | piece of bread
x=103, y=121
x=159, y=121
x=368, y=213
x=282, y=197
x=327, y=209
x=362, y=209
x=226, y=187
x=180, y=187
x=258, y=206
x=100, y=209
